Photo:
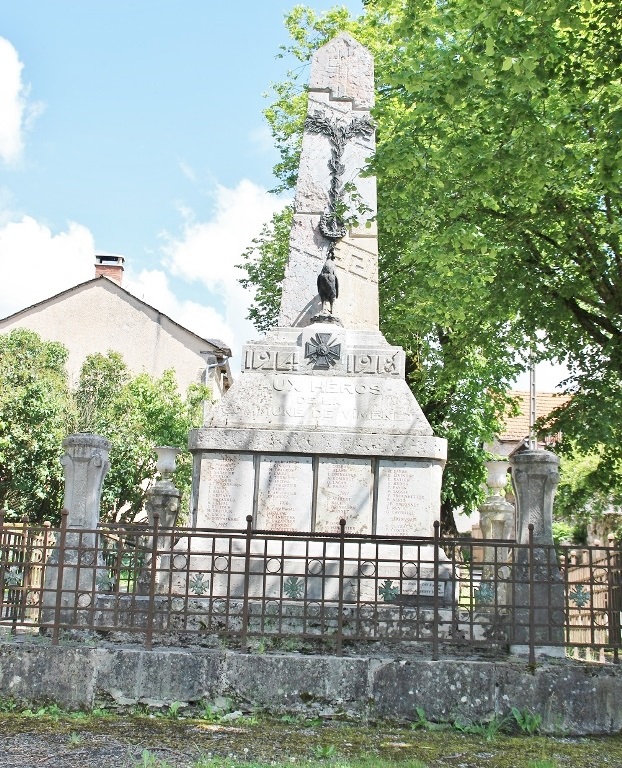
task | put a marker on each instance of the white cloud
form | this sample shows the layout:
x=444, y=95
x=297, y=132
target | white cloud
x=17, y=113
x=37, y=264
x=207, y=252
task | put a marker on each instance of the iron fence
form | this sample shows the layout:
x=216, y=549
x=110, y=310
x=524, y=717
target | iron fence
x=338, y=593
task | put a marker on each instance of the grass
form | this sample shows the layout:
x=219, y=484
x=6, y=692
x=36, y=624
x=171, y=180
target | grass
x=175, y=738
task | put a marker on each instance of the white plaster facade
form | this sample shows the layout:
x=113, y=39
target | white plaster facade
x=99, y=315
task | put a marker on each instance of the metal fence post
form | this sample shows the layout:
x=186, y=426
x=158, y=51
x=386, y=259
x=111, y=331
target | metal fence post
x=532, y=598
x=342, y=551
x=22, y=561
x=614, y=600
x=437, y=618
x=3, y=561
x=59, y=576
x=152, y=582
x=247, y=580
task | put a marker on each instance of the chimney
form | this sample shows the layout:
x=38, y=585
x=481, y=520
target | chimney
x=110, y=266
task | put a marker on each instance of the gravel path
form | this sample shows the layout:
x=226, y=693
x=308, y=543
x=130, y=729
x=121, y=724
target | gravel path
x=121, y=742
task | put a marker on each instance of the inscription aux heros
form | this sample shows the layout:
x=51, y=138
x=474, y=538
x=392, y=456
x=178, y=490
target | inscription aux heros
x=329, y=400
x=311, y=385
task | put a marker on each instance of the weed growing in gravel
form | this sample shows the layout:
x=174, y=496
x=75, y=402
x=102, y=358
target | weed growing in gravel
x=423, y=722
x=173, y=710
x=149, y=760
x=8, y=705
x=543, y=764
x=324, y=752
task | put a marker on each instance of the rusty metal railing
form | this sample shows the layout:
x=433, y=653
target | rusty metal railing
x=336, y=593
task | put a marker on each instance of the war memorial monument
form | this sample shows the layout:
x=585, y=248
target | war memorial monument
x=321, y=424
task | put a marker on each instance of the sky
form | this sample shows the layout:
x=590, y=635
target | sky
x=136, y=128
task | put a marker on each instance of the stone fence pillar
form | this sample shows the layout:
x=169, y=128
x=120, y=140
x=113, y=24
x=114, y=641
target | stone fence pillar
x=164, y=499
x=497, y=521
x=538, y=594
x=85, y=462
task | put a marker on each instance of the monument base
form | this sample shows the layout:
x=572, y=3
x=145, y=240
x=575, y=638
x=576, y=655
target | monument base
x=320, y=426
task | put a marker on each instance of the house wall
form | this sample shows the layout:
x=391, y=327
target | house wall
x=99, y=316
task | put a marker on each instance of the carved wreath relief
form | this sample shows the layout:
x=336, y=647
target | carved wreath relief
x=338, y=134
x=332, y=225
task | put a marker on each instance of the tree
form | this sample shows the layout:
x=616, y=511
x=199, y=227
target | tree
x=38, y=410
x=499, y=170
x=35, y=409
x=512, y=122
x=264, y=262
x=136, y=414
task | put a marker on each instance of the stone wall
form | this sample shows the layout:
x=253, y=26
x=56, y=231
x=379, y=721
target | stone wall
x=573, y=698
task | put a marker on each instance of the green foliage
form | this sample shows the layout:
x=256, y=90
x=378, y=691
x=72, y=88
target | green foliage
x=500, y=205
x=586, y=489
x=35, y=407
x=213, y=713
x=421, y=721
x=173, y=710
x=38, y=410
x=135, y=413
x=149, y=760
x=489, y=730
x=499, y=162
x=264, y=264
x=527, y=722
x=562, y=532
x=8, y=705
x=324, y=751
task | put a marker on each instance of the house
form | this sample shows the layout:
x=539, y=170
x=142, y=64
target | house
x=515, y=432
x=100, y=315
x=513, y=437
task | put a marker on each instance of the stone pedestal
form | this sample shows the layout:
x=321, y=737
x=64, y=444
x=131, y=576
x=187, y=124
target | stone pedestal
x=85, y=463
x=299, y=446
x=163, y=499
x=496, y=517
x=538, y=595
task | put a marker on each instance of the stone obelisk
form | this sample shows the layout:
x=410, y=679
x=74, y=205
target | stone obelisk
x=337, y=142
x=321, y=424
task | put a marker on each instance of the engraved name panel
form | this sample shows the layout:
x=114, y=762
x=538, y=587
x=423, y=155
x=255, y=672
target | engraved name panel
x=345, y=488
x=226, y=490
x=408, y=498
x=285, y=493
